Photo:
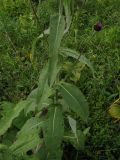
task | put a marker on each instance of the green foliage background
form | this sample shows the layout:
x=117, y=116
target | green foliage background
x=19, y=28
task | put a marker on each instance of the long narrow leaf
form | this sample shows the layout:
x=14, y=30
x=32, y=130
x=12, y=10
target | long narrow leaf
x=39, y=96
x=44, y=90
x=78, y=140
x=10, y=114
x=57, y=25
x=53, y=133
x=75, y=99
x=72, y=123
x=42, y=82
x=67, y=8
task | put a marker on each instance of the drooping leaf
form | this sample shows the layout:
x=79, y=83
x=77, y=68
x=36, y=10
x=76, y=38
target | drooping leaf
x=66, y=52
x=74, y=54
x=27, y=137
x=53, y=133
x=75, y=99
x=114, y=109
x=78, y=140
x=11, y=112
x=78, y=135
x=57, y=25
x=72, y=123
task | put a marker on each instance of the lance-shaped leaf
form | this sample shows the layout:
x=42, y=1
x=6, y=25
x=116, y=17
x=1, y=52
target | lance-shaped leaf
x=44, y=90
x=27, y=137
x=39, y=96
x=72, y=123
x=37, y=92
x=66, y=52
x=42, y=82
x=114, y=109
x=10, y=113
x=53, y=133
x=75, y=99
x=44, y=99
x=67, y=8
x=74, y=54
x=78, y=140
x=32, y=102
x=57, y=25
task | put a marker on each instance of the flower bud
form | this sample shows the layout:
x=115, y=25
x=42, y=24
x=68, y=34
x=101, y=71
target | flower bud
x=98, y=26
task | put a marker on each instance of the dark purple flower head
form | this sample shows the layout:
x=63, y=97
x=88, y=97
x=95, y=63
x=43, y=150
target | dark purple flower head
x=98, y=26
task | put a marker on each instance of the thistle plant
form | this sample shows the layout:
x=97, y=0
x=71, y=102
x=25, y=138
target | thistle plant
x=52, y=103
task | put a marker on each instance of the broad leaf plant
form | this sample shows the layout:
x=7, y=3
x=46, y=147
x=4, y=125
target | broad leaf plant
x=54, y=101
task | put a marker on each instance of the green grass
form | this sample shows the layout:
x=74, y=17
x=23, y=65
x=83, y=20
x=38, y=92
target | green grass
x=103, y=49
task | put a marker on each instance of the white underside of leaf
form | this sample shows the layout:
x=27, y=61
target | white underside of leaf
x=54, y=121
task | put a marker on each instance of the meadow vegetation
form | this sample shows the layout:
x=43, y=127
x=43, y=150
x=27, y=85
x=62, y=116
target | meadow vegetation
x=57, y=71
